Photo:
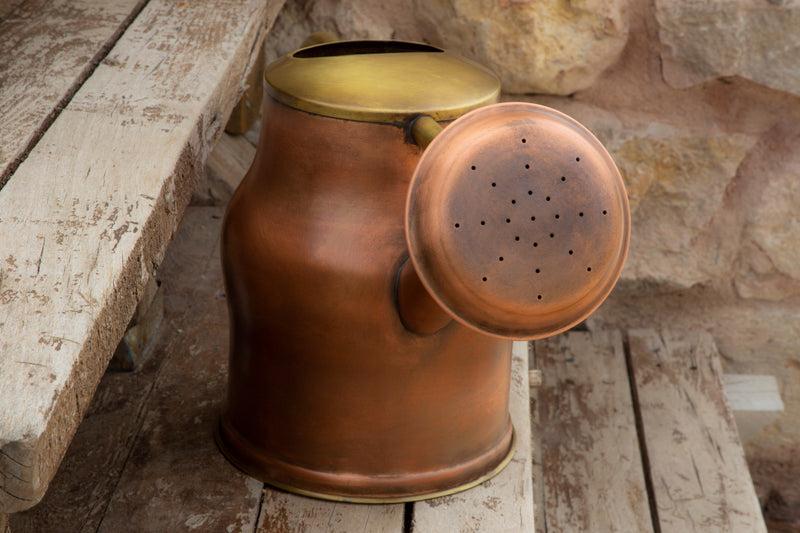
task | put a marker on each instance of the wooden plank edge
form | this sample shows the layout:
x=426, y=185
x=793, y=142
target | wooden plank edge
x=696, y=462
x=37, y=458
x=85, y=73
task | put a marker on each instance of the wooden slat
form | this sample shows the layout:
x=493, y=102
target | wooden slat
x=536, y=445
x=47, y=49
x=288, y=513
x=592, y=472
x=503, y=503
x=700, y=478
x=175, y=478
x=85, y=219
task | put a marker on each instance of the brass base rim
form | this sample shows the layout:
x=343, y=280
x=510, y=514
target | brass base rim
x=227, y=452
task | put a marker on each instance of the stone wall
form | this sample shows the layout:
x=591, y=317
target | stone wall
x=699, y=104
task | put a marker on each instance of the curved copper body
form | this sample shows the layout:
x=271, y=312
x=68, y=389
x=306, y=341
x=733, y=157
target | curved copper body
x=348, y=250
x=329, y=393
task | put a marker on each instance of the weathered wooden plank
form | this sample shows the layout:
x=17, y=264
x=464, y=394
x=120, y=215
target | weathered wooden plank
x=755, y=401
x=505, y=502
x=536, y=445
x=86, y=217
x=592, y=472
x=80, y=491
x=700, y=478
x=47, y=50
x=7, y=8
x=288, y=513
x=175, y=478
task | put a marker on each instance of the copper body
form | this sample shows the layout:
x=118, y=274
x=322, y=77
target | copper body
x=374, y=283
x=330, y=393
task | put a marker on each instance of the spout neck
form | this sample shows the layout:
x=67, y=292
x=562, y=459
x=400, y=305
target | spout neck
x=418, y=311
x=424, y=129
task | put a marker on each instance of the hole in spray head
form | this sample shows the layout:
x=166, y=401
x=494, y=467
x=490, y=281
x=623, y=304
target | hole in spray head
x=457, y=225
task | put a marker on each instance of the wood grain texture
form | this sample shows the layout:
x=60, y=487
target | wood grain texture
x=288, y=513
x=505, y=502
x=81, y=489
x=175, y=478
x=86, y=217
x=700, y=478
x=47, y=50
x=592, y=473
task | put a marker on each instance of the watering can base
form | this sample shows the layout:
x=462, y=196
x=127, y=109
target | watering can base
x=359, y=488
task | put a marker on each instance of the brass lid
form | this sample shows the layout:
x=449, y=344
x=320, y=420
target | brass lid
x=380, y=81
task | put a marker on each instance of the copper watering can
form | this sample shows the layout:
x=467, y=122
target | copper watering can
x=377, y=267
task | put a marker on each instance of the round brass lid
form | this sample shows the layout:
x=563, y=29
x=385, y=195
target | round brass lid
x=380, y=81
x=517, y=221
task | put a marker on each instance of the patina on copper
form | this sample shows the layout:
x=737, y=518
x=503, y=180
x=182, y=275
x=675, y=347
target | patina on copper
x=349, y=378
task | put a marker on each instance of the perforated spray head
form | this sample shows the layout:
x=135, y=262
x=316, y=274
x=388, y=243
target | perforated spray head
x=517, y=221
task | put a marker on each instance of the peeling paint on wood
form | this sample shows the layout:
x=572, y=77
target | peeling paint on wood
x=592, y=475
x=700, y=477
x=86, y=217
x=47, y=50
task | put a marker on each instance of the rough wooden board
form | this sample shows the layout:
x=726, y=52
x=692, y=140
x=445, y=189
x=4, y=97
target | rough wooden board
x=755, y=401
x=592, y=467
x=288, y=513
x=503, y=503
x=536, y=448
x=700, y=478
x=175, y=478
x=47, y=49
x=81, y=489
x=7, y=8
x=86, y=217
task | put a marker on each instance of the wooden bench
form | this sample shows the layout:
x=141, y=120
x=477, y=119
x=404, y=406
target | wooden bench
x=109, y=110
x=634, y=433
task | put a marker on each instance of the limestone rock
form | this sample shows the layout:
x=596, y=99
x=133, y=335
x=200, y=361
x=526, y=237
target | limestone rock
x=349, y=19
x=552, y=46
x=769, y=266
x=676, y=179
x=754, y=39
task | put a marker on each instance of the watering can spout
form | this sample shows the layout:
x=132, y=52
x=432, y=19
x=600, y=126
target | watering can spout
x=517, y=224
